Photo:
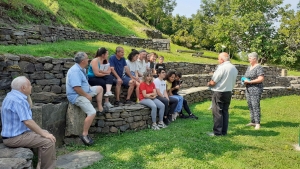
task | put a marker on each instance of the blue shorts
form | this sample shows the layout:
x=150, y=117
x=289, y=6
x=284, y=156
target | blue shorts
x=125, y=80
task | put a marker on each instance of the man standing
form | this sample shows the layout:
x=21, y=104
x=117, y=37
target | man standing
x=119, y=68
x=80, y=93
x=18, y=127
x=141, y=63
x=222, y=84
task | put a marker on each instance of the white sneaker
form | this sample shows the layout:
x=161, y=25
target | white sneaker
x=107, y=104
x=162, y=125
x=155, y=127
x=109, y=94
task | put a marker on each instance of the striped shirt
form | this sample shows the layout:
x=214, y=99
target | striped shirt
x=15, y=109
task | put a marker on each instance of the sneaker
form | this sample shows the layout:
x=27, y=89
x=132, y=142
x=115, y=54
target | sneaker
x=166, y=121
x=162, y=125
x=155, y=127
x=192, y=116
x=117, y=103
x=251, y=124
x=100, y=113
x=128, y=102
x=87, y=140
x=257, y=126
x=109, y=94
x=182, y=116
x=170, y=118
x=108, y=105
x=137, y=100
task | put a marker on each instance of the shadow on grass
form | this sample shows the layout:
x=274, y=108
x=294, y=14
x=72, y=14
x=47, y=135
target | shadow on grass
x=144, y=148
x=241, y=107
x=253, y=132
x=280, y=124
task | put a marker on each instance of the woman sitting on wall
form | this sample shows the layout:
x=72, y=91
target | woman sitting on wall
x=99, y=74
x=169, y=80
x=133, y=68
x=148, y=98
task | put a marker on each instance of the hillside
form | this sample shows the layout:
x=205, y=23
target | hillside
x=82, y=14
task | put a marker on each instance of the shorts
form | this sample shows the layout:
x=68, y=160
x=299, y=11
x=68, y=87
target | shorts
x=125, y=80
x=85, y=104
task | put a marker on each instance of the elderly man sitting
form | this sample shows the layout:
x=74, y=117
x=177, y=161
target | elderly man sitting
x=18, y=127
x=80, y=93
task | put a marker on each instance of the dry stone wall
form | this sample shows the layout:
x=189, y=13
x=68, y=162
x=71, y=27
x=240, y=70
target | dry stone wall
x=40, y=34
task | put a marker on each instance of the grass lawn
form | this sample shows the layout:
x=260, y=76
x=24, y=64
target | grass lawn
x=184, y=144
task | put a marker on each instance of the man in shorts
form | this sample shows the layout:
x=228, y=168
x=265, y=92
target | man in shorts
x=80, y=93
x=119, y=68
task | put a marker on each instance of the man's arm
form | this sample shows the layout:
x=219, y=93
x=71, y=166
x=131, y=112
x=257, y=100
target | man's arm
x=211, y=83
x=34, y=127
x=79, y=90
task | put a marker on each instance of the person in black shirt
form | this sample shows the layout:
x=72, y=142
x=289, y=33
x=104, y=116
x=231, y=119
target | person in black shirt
x=175, y=88
x=160, y=64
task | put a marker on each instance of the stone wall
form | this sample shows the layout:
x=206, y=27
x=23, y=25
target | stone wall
x=39, y=34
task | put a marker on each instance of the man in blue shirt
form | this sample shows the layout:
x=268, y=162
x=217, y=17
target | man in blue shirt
x=80, y=93
x=118, y=69
x=18, y=127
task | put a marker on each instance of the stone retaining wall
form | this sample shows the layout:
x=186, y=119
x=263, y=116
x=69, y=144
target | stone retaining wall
x=39, y=34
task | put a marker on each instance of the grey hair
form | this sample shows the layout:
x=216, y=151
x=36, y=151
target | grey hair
x=18, y=82
x=225, y=56
x=118, y=49
x=253, y=55
x=79, y=56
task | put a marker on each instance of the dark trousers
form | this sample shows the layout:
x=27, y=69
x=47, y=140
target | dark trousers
x=169, y=105
x=220, y=106
x=185, y=106
x=101, y=81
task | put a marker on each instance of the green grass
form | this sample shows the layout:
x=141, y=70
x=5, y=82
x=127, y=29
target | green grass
x=67, y=49
x=82, y=14
x=184, y=144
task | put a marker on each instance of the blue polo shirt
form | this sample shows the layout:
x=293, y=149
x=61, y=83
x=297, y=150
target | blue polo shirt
x=117, y=64
x=15, y=109
x=76, y=76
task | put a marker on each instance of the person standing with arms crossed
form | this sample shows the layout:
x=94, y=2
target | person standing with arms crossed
x=222, y=84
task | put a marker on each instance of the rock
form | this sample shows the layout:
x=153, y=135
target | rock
x=39, y=67
x=5, y=83
x=46, y=59
x=48, y=66
x=28, y=58
x=68, y=65
x=113, y=129
x=27, y=67
x=75, y=159
x=74, y=120
x=124, y=127
x=56, y=89
x=37, y=75
x=47, y=97
x=11, y=57
x=48, y=82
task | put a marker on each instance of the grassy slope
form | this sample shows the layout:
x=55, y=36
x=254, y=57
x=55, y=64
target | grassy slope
x=82, y=14
x=184, y=144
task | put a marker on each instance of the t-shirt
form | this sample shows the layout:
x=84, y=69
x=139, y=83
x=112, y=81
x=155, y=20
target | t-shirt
x=148, y=87
x=118, y=65
x=160, y=66
x=160, y=85
x=142, y=66
x=169, y=85
x=132, y=67
x=174, y=84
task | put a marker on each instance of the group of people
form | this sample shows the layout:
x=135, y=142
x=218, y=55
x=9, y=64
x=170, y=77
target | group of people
x=160, y=94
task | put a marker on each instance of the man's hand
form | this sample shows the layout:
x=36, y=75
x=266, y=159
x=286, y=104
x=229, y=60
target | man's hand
x=50, y=136
x=120, y=81
x=89, y=97
x=177, y=87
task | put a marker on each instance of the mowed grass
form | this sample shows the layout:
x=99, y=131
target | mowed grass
x=67, y=49
x=185, y=144
x=81, y=14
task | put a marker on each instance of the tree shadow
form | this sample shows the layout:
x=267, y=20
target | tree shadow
x=252, y=132
x=272, y=124
x=241, y=107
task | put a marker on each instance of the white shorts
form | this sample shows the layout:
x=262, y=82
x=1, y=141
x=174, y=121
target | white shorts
x=85, y=104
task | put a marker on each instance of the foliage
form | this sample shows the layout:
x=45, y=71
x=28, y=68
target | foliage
x=184, y=144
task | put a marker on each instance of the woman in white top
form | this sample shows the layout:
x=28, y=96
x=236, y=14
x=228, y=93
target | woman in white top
x=131, y=63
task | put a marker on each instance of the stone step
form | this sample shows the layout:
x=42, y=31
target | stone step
x=198, y=94
x=200, y=80
x=78, y=159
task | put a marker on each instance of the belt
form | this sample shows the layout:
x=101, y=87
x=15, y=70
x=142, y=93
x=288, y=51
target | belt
x=13, y=136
